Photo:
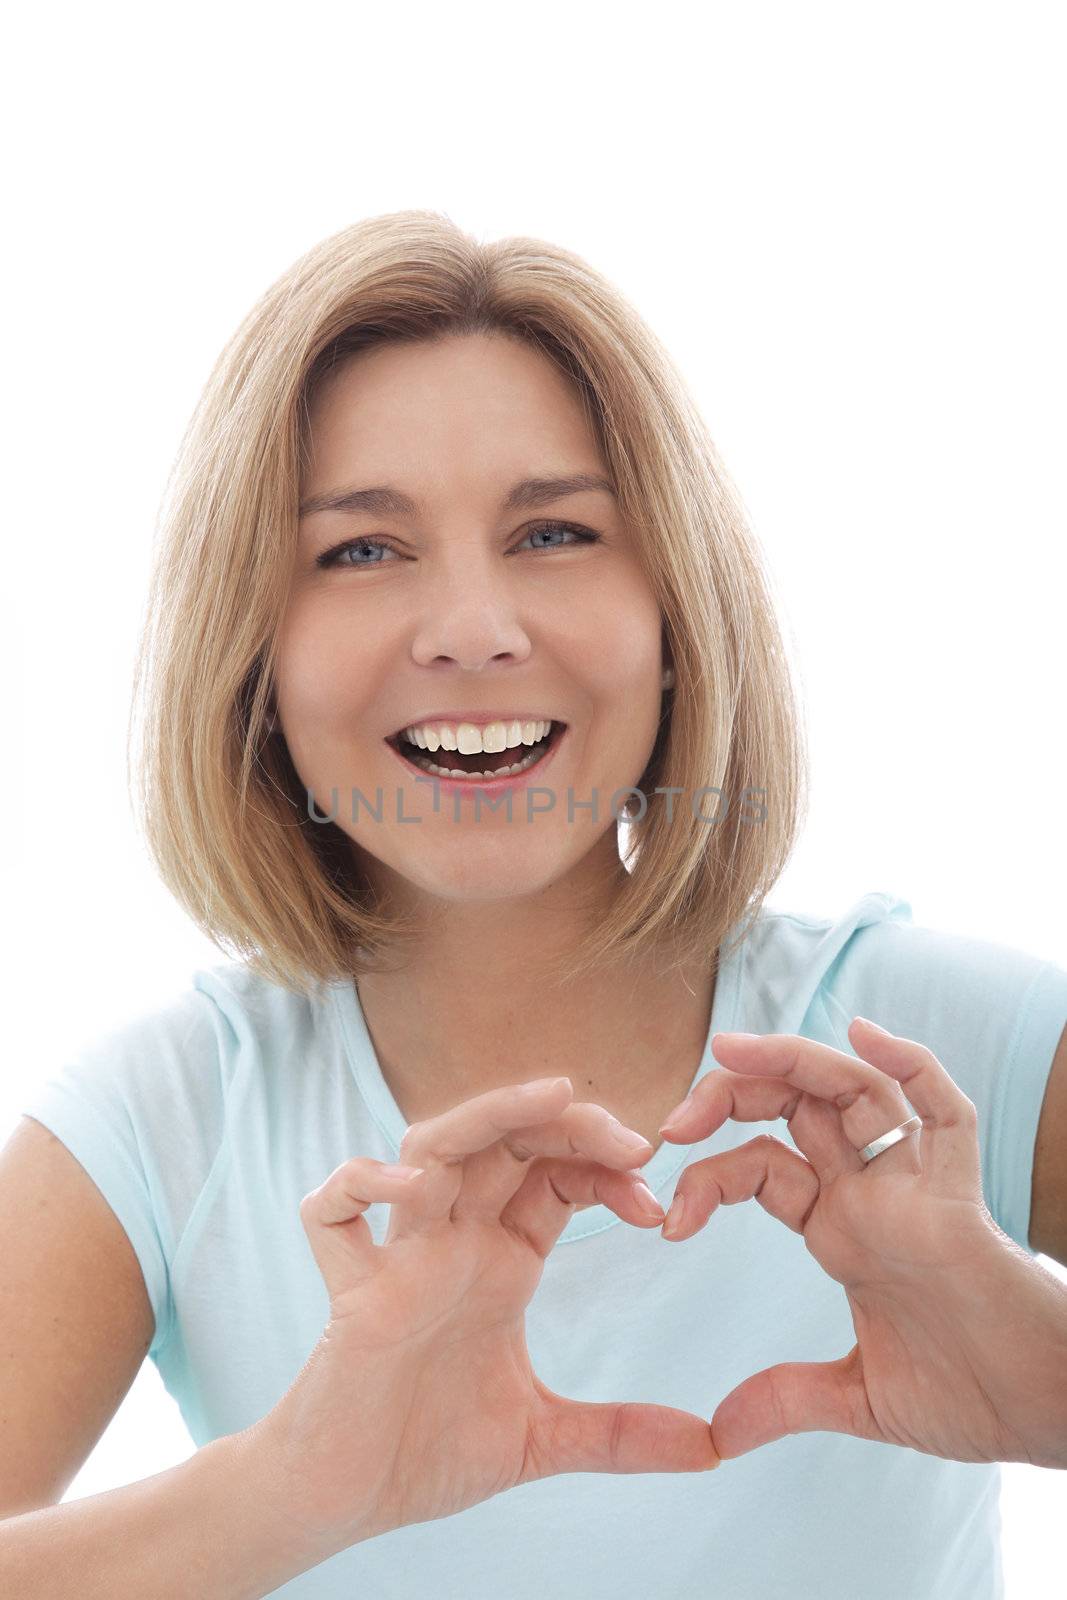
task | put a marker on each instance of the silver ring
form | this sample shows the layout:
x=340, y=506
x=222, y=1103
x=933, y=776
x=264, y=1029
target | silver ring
x=869, y=1151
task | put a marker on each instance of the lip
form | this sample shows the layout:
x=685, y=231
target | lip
x=519, y=780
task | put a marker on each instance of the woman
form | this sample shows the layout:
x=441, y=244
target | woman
x=447, y=499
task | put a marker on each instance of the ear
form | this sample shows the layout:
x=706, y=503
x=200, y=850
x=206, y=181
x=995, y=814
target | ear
x=667, y=677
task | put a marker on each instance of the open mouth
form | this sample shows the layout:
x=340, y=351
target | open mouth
x=482, y=764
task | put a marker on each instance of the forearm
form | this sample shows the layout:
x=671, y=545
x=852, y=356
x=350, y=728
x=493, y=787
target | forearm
x=215, y=1527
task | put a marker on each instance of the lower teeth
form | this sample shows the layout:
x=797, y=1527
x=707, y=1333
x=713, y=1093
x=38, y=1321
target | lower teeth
x=535, y=754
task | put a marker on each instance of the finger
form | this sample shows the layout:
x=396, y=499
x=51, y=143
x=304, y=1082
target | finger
x=869, y=1101
x=949, y=1137
x=551, y=1189
x=814, y=1124
x=785, y=1184
x=937, y=1098
x=794, y=1397
x=337, y=1231
x=529, y=1120
x=613, y=1436
x=492, y=1176
x=481, y=1121
x=442, y=1144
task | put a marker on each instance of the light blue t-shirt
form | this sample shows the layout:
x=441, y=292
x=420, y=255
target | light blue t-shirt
x=204, y=1124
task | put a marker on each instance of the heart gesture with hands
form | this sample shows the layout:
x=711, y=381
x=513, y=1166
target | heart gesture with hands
x=961, y=1337
x=419, y=1399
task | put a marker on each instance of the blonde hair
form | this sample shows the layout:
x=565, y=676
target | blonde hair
x=223, y=811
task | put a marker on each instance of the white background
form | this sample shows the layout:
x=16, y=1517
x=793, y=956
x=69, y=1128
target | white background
x=843, y=221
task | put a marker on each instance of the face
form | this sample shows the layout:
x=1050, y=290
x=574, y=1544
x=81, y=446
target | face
x=461, y=607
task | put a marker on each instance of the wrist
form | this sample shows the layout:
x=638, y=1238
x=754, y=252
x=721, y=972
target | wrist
x=325, y=1498
x=1015, y=1314
x=272, y=1479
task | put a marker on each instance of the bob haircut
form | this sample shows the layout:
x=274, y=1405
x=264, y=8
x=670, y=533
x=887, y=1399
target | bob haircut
x=224, y=814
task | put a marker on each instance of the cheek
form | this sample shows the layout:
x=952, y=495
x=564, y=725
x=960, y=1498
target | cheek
x=616, y=637
x=325, y=667
x=614, y=652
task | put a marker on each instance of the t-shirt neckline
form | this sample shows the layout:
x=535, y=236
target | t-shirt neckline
x=667, y=1161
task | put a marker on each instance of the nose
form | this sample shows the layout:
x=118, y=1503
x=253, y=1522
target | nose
x=469, y=616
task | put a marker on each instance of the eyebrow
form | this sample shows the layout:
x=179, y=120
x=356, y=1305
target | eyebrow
x=527, y=494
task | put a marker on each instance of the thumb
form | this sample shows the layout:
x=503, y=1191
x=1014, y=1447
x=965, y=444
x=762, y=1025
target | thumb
x=587, y=1436
x=794, y=1397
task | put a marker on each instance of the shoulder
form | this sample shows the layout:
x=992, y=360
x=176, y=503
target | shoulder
x=950, y=981
x=789, y=956
x=251, y=1005
x=190, y=1047
x=262, y=1028
x=991, y=1013
x=971, y=1000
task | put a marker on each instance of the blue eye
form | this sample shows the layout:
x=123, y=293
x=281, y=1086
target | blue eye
x=582, y=535
x=332, y=558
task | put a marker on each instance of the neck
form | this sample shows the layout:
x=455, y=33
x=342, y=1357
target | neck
x=475, y=1008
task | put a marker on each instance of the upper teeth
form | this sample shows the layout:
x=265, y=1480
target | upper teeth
x=469, y=739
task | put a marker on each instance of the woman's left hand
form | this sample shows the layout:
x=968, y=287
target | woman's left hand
x=961, y=1336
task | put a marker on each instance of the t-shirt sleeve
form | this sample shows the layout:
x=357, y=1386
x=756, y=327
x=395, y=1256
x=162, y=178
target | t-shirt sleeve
x=993, y=1016
x=140, y=1107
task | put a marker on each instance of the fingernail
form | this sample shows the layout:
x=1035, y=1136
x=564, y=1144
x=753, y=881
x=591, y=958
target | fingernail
x=647, y=1201
x=541, y=1085
x=869, y=1024
x=626, y=1138
x=678, y=1114
x=673, y=1223
x=395, y=1170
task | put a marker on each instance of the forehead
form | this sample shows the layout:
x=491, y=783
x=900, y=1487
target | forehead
x=484, y=403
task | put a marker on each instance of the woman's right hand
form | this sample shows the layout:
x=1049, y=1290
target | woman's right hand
x=419, y=1399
